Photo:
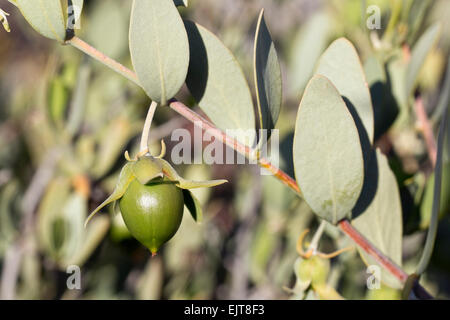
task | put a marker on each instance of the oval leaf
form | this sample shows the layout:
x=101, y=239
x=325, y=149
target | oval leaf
x=340, y=63
x=327, y=152
x=381, y=222
x=46, y=17
x=419, y=54
x=267, y=75
x=218, y=84
x=159, y=48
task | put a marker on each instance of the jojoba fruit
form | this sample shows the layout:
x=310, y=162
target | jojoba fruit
x=152, y=212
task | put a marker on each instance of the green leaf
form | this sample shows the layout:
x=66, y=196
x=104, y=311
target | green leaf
x=172, y=174
x=380, y=221
x=108, y=28
x=193, y=205
x=146, y=169
x=328, y=161
x=418, y=55
x=267, y=75
x=218, y=84
x=181, y=3
x=45, y=16
x=432, y=230
x=159, y=48
x=125, y=178
x=340, y=63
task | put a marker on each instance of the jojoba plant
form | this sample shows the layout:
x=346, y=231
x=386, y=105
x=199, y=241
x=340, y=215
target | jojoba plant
x=353, y=146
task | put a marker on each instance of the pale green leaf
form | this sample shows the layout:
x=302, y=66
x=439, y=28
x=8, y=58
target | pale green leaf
x=419, y=54
x=125, y=178
x=45, y=16
x=193, y=205
x=432, y=230
x=217, y=82
x=159, y=48
x=328, y=161
x=427, y=202
x=379, y=215
x=267, y=74
x=147, y=168
x=181, y=3
x=340, y=63
x=182, y=183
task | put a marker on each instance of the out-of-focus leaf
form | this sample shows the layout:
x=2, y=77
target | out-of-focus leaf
x=381, y=222
x=159, y=48
x=384, y=293
x=150, y=283
x=340, y=63
x=181, y=3
x=418, y=55
x=261, y=250
x=444, y=99
x=307, y=47
x=218, y=84
x=57, y=103
x=51, y=228
x=113, y=140
x=427, y=202
x=90, y=240
x=193, y=205
x=46, y=17
x=327, y=153
x=267, y=75
x=107, y=28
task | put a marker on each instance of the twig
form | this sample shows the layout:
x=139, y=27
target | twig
x=183, y=110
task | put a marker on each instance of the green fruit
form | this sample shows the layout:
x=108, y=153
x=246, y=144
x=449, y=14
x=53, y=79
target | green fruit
x=152, y=212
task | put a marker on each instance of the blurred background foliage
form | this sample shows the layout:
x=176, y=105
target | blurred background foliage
x=66, y=120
